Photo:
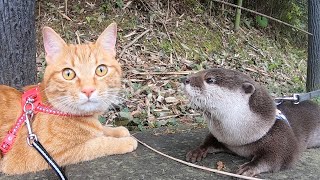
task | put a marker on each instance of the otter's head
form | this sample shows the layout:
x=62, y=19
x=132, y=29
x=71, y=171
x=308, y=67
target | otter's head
x=221, y=91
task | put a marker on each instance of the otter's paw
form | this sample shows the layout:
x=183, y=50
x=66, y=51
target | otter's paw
x=248, y=169
x=197, y=154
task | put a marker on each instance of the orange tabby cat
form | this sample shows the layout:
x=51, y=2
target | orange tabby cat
x=81, y=80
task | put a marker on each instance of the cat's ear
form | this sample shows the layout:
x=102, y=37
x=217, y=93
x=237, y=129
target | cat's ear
x=53, y=44
x=107, y=40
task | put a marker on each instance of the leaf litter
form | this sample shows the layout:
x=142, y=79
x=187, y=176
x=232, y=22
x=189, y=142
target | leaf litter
x=159, y=43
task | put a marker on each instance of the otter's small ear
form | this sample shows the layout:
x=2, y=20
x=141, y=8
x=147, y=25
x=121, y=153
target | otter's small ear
x=53, y=44
x=248, y=88
x=107, y=40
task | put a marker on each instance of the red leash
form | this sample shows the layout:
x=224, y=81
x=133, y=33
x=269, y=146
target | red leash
x=31, y=101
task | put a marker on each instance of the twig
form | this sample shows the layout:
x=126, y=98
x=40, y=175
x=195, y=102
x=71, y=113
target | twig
x=65, y=16
x=164, y=73
x=133, y=41
x=196, y=166
x=39, y=11
x=78, y=37
x=168, y=10
x=257, y=71
x=127, y=5
x=175, y=52
x=167, y=117
x=255, y=12
x=66, y=6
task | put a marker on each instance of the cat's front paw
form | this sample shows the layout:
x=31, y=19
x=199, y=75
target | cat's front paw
x=122, y=132
x=116, y=131
x=197, y=154
x=129, y=144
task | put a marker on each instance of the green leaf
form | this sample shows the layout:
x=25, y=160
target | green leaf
x=119, y=3
x=199, y=119
x=141, y=127
x=137, y=121
x=121, y=121
x=102, y=119
x=160, y=123
x=262, y=21
x=126, y=115
x=172, y=122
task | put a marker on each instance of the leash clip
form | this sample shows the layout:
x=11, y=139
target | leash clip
x=295, y=99
x=28, y=109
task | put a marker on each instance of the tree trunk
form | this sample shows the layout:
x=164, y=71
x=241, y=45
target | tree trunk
x=238, y=15
x=313, y=72
x=17, y=43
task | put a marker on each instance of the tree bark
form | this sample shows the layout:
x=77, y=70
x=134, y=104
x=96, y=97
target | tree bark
x=313, y=71
x=17, y=43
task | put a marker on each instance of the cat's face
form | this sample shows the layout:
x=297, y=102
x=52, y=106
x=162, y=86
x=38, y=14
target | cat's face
x=81, y=79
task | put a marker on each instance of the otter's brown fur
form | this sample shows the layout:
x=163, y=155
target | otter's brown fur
x=241, y=117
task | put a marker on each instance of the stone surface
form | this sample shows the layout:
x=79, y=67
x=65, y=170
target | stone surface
x=146, y=164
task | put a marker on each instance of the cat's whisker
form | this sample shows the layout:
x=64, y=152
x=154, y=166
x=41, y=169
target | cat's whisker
x=109, y=104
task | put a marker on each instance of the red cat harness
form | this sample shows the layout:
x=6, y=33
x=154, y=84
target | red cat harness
x=31, y=104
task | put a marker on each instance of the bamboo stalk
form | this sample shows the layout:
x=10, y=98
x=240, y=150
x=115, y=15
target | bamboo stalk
x=238, y=15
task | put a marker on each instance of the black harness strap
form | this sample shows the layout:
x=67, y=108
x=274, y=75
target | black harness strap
x=37, y=145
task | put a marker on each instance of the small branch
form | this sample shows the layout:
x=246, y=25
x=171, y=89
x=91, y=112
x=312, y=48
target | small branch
x=64, y=16
x=133, y=41
x=167, y=117
x=78, y=37
x=164, y=73
x=175, y=52
x=257, y=71
x=194, y=165
x=66, y=7
x=255, y=12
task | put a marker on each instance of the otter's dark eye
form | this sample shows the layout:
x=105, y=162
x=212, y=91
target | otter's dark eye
x=210, y=80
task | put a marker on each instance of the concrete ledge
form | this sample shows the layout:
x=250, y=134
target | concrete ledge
x=145, y=164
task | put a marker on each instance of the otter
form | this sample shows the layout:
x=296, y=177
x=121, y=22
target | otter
x=241, y=117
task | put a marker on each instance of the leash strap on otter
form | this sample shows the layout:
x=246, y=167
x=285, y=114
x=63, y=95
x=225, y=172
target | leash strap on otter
x=297, y=98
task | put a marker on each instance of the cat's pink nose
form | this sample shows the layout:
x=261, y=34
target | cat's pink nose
x=88, y=91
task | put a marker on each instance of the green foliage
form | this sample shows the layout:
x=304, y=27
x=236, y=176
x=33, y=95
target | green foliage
x=293, y=12
x=119, y=3
x=295, y=15
x=102, y=119
x=262, y=21
x=106, y=6
x=166, y=46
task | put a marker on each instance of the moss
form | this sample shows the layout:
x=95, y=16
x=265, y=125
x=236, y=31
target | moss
x=197, y=41
x=195, y=5
x=166, y=46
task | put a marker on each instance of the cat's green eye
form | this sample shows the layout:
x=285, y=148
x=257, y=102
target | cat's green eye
x=101, y=70
x=68, y=74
